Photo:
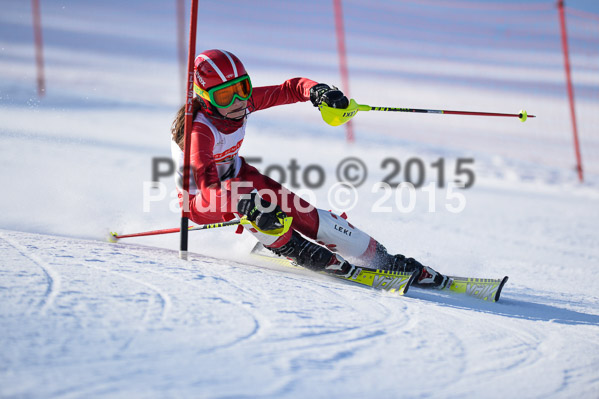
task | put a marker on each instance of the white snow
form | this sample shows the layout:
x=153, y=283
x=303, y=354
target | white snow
x=81, y=317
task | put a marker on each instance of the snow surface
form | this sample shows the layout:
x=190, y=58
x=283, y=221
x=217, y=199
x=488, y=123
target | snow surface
x=80, y=317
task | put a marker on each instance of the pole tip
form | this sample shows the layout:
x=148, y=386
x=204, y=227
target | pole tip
x=523, y=115
x=113, y=237
x=183, y=255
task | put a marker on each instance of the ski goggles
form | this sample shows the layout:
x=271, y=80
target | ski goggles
x=223, y=96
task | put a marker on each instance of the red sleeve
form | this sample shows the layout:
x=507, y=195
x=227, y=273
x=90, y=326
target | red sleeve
x=212, y=194
x=202, y=156
x=291, y=91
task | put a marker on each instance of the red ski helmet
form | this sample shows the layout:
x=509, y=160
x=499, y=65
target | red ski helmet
x=220, y=69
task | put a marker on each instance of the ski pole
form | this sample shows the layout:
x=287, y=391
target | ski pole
x=338, y=116
x=114, y=237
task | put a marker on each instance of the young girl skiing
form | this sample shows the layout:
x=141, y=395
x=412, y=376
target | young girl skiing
x=224, y=100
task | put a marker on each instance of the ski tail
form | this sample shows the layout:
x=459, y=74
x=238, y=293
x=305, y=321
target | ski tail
x=482, y=288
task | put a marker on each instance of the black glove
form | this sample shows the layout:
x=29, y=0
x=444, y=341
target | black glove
x=252, y=206
x=330, y=96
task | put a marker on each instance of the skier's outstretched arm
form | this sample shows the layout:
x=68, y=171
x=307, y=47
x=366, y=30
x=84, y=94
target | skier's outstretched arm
x=297, y=90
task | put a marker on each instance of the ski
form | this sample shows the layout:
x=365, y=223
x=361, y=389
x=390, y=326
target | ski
x=487, y=289
x=382, y=280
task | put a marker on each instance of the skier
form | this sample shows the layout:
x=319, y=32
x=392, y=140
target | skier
x=224, y=100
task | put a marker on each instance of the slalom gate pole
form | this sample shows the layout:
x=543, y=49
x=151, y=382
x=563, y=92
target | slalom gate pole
x=564, y=34
x=39, y=48
x=187, y=132
x=340, y=33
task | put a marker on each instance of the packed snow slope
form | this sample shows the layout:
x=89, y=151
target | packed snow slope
x=81, y=317
x=90, y=319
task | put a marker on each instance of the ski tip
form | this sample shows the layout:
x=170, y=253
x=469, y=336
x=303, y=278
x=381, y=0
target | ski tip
x=413, y=278
x=498, y=293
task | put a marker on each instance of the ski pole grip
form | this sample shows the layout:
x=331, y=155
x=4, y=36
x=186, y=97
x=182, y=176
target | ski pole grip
x=338, y=116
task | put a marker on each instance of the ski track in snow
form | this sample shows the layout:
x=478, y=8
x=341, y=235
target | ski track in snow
x=52, y=277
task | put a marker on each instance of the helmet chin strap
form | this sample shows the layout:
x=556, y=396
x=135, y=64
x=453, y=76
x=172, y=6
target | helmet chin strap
x=241, y=117
x=246, y=109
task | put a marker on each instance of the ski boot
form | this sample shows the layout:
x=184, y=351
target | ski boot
x=313, y=256
x=429, y=278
